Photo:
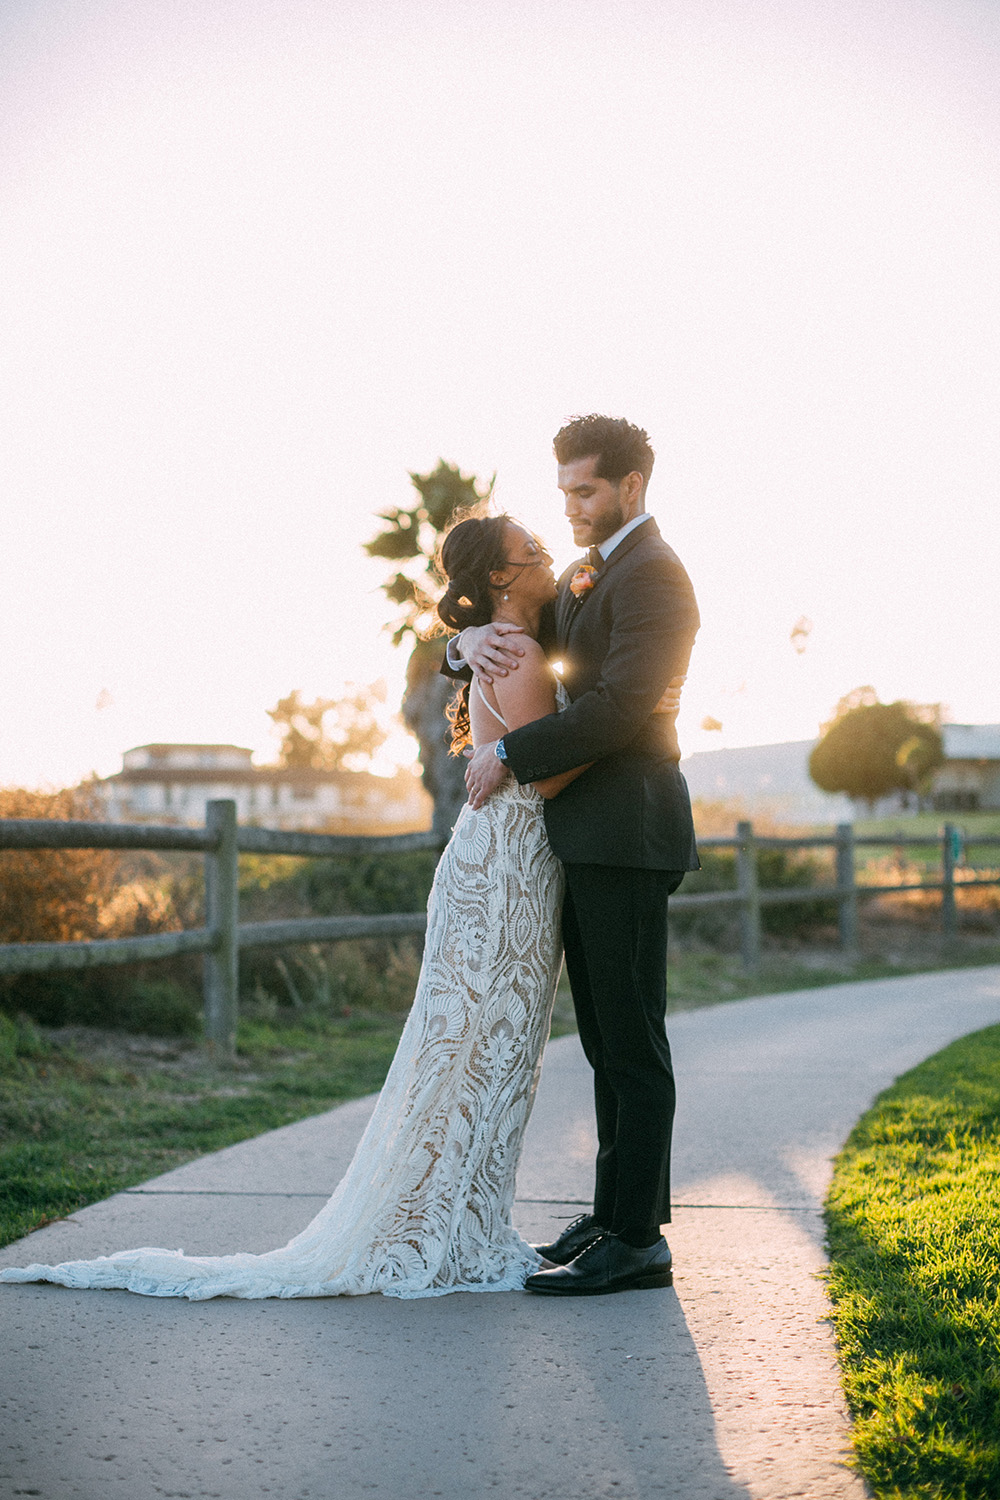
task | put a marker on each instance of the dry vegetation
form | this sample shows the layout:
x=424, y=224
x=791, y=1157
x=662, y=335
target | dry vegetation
x=56, y=895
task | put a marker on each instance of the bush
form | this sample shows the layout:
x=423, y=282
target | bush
x=159, y=1007
x=75, y=895
x=158, y=999
x=19, y=1037
x=365, y=974
x=777, y=869
x=371, y=883
x=377, y=974
x=82, y=894
x=53, y=895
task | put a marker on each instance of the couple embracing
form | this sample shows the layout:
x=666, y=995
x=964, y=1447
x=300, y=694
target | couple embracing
x=577, y=829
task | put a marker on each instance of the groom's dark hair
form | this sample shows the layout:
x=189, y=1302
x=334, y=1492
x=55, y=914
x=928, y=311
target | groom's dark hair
x=620, y=447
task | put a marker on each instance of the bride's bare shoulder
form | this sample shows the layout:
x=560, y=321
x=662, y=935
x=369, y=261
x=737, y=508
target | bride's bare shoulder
x=534, y=656
x=528, y=693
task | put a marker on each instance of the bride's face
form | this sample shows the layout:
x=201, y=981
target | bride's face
x=528, y=575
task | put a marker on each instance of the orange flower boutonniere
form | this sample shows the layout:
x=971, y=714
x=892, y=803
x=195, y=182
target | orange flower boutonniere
x=583, y=580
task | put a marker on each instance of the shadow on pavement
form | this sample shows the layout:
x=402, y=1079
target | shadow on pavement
x=452, y=1397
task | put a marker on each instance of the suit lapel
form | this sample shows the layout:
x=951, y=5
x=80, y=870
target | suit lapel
x=569, y=608
x=566, y=605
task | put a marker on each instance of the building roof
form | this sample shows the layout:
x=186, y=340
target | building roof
x=232, y=775
x=971, y=741
x=166, y=748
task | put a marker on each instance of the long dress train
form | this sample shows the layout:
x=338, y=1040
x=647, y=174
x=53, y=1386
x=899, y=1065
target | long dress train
x=424, y=1208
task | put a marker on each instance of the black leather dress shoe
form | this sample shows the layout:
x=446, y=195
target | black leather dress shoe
x=608, y=1265
x=574, y=1238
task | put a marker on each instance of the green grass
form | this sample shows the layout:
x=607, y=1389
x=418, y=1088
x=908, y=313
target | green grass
x=930, y=823
x=84, y=1116
x=914, y=1233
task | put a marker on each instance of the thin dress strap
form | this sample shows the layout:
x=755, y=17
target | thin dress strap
x=482, y=698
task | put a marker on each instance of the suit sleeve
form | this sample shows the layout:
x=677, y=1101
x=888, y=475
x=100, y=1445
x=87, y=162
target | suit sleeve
x=456, y=674
x=546, y=639
x=654, y=622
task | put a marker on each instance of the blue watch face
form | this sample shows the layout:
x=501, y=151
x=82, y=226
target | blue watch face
x=501, y=752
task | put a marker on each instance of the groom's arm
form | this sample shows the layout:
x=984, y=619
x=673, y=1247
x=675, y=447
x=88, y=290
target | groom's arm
x=655, y=619
x=497, y=652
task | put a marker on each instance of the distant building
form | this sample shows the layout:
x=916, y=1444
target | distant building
x=172, y=784
x=774, y=780
x=765, y=780
x=969, y=780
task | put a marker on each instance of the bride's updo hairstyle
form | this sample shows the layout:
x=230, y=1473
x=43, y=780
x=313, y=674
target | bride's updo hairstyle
x=470, y=552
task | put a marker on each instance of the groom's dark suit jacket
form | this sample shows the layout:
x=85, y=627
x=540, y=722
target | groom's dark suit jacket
x=619, y=645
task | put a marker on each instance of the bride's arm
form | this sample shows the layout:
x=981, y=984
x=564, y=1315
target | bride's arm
x=530, y=694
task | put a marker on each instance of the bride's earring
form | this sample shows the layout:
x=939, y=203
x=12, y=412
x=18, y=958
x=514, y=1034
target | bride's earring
x=506, y=598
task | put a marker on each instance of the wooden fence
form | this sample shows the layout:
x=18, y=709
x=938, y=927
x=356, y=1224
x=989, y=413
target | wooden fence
x=223, y=935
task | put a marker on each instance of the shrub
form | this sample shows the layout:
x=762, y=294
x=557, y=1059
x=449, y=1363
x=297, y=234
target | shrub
x=366, y=974
x=53, y=895
x=777, y=869
x=73, y=895
x=158, y=1007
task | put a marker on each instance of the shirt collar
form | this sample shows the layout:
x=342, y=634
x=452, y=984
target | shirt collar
x=607, y=547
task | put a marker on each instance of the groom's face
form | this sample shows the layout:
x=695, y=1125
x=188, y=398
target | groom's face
x=595, y=508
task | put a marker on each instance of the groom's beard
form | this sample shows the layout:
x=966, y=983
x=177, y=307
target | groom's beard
x=600, y=528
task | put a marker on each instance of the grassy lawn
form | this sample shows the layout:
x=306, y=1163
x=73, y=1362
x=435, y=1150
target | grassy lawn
x=985, y=824
x=914, y=1231
x=913, y=825
x=84, y=1113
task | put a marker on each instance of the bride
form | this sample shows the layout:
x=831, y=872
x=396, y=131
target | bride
x=425, y=1205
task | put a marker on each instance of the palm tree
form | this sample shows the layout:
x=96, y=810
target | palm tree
x=410, y=538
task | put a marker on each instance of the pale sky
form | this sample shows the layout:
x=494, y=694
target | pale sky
x=258, y=260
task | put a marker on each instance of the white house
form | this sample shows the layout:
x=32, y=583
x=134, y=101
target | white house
x=969, y=780
x=172, y=784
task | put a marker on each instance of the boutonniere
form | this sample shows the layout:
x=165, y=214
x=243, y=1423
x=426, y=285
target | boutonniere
x=583, y=580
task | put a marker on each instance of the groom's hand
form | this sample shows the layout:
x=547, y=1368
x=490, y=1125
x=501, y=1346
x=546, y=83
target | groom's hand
x=671, y=700
x=484, y=774
x=489, y=650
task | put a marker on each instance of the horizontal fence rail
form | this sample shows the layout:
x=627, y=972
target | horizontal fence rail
x=223, y=936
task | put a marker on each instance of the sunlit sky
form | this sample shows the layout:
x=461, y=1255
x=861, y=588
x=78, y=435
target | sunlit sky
x=258, y=260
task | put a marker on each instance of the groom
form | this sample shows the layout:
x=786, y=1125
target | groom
x=624, y=623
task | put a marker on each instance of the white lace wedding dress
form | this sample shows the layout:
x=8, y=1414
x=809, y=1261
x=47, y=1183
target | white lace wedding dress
x=425, y=1205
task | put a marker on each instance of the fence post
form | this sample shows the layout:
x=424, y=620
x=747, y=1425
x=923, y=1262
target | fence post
x=221, y=918
x=746, y=876
x=949, y=851
x=847, y=900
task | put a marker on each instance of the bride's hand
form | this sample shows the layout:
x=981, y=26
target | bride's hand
x=484, y=774
x=671, y=700
x=488, y=649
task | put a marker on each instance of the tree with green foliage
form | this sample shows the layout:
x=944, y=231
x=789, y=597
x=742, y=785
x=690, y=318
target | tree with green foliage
x=410, y=538
x=329, y=734
x=871, y=749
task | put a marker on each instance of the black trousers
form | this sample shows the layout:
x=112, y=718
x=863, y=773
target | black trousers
x=615, y=941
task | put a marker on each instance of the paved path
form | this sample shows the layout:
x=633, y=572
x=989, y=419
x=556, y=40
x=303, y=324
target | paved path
x=722, y=1389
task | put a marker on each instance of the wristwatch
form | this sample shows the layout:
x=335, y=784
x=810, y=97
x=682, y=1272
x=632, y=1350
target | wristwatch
x=500, y=752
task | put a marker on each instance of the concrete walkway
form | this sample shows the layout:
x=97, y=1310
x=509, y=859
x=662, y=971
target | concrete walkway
x=724, y=1388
